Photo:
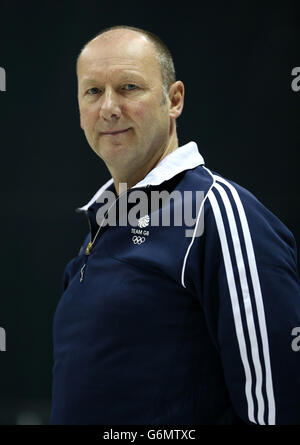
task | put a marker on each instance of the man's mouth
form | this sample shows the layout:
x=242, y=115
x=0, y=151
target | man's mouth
x=113, y=133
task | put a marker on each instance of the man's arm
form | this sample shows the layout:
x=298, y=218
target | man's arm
x=250, y=292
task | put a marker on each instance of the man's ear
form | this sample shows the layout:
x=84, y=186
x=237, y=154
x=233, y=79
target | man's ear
x=176, y=96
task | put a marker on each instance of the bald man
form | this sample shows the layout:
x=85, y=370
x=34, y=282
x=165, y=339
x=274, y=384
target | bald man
x=134, y=128
x=165, y=324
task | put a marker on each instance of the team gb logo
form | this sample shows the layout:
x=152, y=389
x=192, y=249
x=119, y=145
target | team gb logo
x=144, y=221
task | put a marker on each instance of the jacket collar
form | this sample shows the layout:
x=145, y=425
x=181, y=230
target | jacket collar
x=182, y=158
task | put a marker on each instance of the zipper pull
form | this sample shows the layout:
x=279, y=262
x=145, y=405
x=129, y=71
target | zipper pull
x=88, y=248
x=87, y=252
x=82, y=272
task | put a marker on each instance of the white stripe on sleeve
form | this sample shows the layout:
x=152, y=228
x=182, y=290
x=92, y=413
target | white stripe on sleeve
x=258, y=298
x=235, y=304
x=246, y=301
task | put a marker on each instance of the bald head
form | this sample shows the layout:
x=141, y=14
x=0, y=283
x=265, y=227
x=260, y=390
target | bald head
x=128, y=117
x=139, y=40
x=119, y=39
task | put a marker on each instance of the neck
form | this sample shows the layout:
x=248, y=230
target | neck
x=132, y=178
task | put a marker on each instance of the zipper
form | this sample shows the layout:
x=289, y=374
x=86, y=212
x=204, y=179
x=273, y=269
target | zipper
x=91, y=242
x=83, y=267
x=87, y=250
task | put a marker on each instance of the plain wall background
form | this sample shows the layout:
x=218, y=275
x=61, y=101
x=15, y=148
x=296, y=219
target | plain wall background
x=235, y=59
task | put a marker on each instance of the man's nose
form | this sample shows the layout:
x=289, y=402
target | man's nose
x=109, y=107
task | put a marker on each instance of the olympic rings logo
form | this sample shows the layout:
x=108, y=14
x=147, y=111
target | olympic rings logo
x=138, y=239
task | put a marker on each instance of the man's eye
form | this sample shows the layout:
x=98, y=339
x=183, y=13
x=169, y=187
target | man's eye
x=92, y=91
x=130, y=87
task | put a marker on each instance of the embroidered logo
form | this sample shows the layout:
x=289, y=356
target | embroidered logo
x=138, y=239
x=144, y=221
x=141, y=235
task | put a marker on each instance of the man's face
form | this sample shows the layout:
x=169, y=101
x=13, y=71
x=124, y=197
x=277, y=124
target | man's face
x=122, y=108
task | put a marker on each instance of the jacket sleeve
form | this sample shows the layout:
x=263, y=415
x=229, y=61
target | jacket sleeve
x=249, y=289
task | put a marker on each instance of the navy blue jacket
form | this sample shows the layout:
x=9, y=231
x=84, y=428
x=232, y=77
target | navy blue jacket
x=183, y=330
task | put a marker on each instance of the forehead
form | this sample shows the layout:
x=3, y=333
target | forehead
x=114, y=53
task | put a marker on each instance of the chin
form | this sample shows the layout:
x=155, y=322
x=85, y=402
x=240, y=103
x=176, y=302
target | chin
x=111, y=152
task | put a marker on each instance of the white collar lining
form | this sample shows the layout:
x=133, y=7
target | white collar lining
x=182, y=158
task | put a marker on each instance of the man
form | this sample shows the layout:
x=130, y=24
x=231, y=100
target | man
x=158, y=325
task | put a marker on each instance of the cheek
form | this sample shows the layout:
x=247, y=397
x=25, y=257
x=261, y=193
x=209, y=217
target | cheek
x=88, y=118
x=139, y=112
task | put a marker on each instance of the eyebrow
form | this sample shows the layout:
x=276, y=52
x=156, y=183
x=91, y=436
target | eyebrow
x=123, y=76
